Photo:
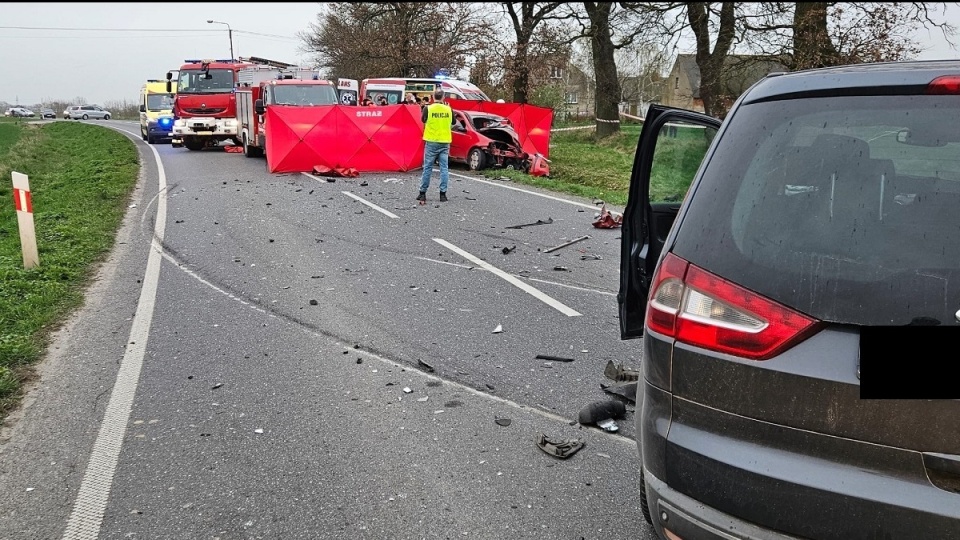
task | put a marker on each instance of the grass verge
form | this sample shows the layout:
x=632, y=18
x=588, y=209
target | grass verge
x=81, y=177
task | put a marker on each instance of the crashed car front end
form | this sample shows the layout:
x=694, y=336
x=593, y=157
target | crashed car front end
x=504, y=149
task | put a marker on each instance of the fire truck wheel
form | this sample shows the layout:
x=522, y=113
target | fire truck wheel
x=193, y=144
x=249, y=151
x=476, y=159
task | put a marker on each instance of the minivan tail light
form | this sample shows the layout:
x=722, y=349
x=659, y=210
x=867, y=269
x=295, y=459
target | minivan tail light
x=698, y=308
x=946, y=85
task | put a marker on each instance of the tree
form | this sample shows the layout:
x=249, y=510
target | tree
x=536, y=42
x=808, y=35
x=399, y=39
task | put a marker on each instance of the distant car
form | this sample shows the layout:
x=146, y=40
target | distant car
x=86, y=112
x=66, y=112
x=47, y=113
x=483, y=140
x=21, y=112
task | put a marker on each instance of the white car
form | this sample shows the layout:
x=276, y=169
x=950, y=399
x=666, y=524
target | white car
x=66, y=112
x=21, y=112
x=85, y=112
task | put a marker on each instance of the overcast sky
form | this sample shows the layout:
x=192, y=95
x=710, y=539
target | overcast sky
x=103, y=52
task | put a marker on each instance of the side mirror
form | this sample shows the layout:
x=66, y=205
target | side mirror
x=169, y=84
x=169, y=75
x=258, y=107
x=143, y=108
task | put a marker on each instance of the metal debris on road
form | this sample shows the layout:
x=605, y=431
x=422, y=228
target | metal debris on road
x=508, y=249
x=498, y=329
x=565, y=244
x=559, y=448
x=553, y=358
x=502, y=421
x=537, y=222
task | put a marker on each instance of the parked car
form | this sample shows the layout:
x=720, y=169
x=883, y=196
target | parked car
x=85, y=112
x=47, y=113
x=483, y=140
x=66, y=112
x=822, y=215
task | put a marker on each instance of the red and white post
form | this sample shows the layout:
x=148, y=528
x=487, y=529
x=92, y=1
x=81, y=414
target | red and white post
x=28, y=235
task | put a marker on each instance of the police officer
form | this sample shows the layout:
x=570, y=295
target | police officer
x=437, y=121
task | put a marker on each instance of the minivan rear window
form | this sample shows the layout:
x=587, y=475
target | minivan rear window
x=851, y=203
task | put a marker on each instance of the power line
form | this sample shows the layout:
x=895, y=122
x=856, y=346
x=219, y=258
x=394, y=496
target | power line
x=95, y=29
x=137, y=30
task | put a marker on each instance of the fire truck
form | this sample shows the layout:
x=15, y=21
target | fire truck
x=275, y=84
x=205, y=108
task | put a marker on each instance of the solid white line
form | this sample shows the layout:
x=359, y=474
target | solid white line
x=533, y=291
x=88, y=510
x=371, y=205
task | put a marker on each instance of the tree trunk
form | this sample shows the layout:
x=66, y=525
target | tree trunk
x=521, y=78
x=711, y=64
x=812, y=47
x=607, y=99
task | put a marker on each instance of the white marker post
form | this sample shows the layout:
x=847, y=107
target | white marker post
x=28, y=235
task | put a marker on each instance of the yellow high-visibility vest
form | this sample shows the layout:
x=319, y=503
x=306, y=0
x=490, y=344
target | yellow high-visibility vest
x=437, y=128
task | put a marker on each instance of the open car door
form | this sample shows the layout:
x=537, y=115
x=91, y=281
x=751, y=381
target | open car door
x=672, y=145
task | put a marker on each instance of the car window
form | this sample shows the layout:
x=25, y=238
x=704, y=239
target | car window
x=859, y=227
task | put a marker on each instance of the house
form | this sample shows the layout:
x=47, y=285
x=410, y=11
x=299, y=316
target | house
x=682, y=88
x=579, y=90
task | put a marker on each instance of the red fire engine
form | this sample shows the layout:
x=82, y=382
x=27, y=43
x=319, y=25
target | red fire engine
x=275, y=84
x=205, y=108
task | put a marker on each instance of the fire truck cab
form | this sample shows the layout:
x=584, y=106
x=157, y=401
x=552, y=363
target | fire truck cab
x=205, y=110
x=275, y=85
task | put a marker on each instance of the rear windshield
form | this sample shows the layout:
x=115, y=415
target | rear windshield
x=846, y=208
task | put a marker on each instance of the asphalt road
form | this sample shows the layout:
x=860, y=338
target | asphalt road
x=282, y=356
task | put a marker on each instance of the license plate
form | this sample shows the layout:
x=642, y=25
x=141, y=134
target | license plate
x=204, y=133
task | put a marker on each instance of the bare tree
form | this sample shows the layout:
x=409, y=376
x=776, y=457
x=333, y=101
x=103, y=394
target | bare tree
x=536, y=44
x=401, y=39
x=817, y=34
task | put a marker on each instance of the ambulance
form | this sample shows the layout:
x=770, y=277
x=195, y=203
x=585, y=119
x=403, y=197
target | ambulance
x=156, y=110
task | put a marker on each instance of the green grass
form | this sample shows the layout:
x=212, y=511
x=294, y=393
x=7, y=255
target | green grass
x=81, y=176
x=581, y=165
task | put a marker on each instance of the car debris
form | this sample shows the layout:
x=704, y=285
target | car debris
x=559, y=448
x=565, y=244
x=553, y=358
x=619, y=373
x=627, y=391
x=548, y=221
x=603, y=414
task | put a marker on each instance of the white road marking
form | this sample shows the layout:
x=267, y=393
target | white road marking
x=371, y=205
x=528, y=192
x=533, y=291
x=468, y=267
x=88, y=510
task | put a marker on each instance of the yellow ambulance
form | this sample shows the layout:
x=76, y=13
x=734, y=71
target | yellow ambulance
x=156, y=110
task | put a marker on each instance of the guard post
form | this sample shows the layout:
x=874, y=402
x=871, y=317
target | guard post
x=24, y=206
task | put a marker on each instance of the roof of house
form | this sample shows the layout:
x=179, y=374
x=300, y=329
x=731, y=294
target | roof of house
x=740, y=71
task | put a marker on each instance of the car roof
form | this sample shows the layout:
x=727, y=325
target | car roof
x=856, y=79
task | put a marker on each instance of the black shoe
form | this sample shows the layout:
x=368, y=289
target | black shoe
x=443, y=196
x=422, y=196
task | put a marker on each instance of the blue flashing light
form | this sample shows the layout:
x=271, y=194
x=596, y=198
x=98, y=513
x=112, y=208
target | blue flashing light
x=440, y=76
x=165, y=121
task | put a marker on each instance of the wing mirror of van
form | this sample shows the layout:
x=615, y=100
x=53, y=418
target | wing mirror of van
x=258, y=107
x=143, y=108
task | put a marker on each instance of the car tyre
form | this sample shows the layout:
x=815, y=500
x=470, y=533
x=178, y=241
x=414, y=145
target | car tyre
x=476, y=159
x=85, y=117
x=106, y=117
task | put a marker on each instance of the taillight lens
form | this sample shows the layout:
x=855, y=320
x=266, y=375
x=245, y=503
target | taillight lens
x=946, y=85
x=696, y=307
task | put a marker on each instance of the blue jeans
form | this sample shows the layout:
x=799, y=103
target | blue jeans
x=432, y=151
